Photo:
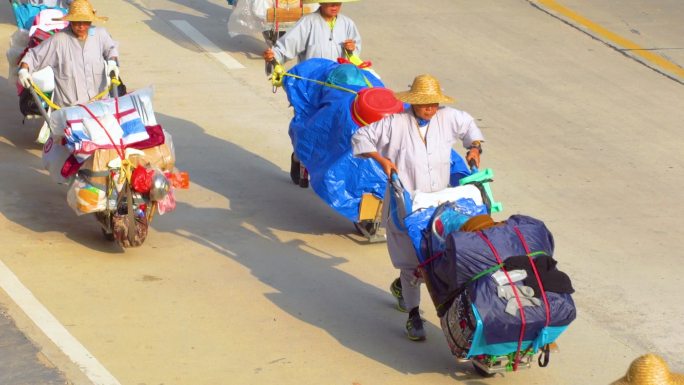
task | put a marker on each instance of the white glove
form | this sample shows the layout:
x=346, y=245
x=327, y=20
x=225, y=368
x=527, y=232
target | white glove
x=24, y=78
x=112, y=67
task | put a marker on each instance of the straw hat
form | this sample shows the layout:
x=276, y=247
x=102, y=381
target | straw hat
x=327, y=1
x=479, y=222
x=650, y=369
x=81, y=10
x=424, y=90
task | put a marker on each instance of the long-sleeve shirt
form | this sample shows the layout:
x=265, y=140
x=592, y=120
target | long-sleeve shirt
x=79, y=69
x=312, y=37
x=421, y=165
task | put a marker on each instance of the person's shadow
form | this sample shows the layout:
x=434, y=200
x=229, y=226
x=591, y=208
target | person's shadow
x=309, y=287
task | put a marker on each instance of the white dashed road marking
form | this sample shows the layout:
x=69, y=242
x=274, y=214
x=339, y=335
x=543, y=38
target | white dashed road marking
x=207, y=45
x=53, y=329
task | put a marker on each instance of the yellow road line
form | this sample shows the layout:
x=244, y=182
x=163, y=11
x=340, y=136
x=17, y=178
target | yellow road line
x=618, y=40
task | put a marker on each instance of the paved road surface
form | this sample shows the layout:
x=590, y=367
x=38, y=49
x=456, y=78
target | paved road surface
x=254, y=281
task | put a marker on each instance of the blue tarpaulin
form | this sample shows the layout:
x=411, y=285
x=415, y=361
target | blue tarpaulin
x=321, y=132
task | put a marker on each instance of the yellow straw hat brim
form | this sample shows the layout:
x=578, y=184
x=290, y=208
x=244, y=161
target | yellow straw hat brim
x=650, y=369
x=425, y=89
x=675, y=379
x=82, y=18
x=411, y=97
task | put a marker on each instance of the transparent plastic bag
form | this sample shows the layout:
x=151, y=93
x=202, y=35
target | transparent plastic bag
x=167, y=204
x=85, y=198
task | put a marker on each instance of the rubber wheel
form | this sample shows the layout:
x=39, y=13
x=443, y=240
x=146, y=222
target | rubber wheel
x=482, y=372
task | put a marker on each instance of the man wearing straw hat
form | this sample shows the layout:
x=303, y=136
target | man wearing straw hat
x=325, y=34
x=81, y=56
x=322, y=34
x=416, y=144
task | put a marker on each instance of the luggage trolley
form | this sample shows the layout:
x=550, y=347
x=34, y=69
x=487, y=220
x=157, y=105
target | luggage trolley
x=454, y=288
x=35, y=24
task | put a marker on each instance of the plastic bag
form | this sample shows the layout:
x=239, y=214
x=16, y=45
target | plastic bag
x=85, y=198
x=141, y=179
x=54, y=156
x=167, y=204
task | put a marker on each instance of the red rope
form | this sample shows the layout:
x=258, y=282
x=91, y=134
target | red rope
x=536, y=274
x=516, y=360
x=119, y=150
x=431, y=259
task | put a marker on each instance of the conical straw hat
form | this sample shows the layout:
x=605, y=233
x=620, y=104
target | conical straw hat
x=650, y=369
x=424, y=90
x=81, y=10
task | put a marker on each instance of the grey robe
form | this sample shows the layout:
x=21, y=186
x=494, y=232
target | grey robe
x=421, y=167
x=79, y=72
x=311, y=38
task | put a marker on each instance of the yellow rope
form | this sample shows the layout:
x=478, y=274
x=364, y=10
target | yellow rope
x=126, y=171
x=114, y=82
x=44, y=97
x=279, y=72
x=51, y=104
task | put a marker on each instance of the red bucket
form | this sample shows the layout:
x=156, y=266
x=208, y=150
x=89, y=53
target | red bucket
x=373, y=104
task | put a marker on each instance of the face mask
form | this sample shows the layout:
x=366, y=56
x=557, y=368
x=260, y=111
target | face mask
x=422, y=122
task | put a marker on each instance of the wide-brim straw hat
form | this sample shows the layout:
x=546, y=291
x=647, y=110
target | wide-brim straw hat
x=650, y=369
x=82, y=10
x=327, y=1
x=424, y=90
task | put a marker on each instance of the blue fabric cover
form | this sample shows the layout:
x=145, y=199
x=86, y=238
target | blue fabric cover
x=467, y=255
x=321, y=132
x=479, y=346
x=25, y=14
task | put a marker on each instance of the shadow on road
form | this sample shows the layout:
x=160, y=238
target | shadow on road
x=28, y=196
x=309, y=287
x=214, y=18
x=262, y=199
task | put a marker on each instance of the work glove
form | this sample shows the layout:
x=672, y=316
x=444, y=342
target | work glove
x=112, y=67
x=25, y=78
x=473, y=155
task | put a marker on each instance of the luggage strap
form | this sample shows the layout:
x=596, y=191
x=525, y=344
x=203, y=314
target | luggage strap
x=523, y=323
x=543, y=359
x=536, y=275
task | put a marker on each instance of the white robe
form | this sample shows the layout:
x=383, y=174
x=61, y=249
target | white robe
x=421, y=166
x=311, y=37
x=79, y=71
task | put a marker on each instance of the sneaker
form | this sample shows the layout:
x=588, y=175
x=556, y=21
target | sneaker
x=395, y=289
x=294, y=169
x=414, y=327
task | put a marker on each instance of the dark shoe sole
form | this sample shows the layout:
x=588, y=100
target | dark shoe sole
x=415, y=339
x=294, y=169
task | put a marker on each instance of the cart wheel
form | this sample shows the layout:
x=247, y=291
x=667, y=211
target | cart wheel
x=482, y=372
x=366, y=227
x=108, y=236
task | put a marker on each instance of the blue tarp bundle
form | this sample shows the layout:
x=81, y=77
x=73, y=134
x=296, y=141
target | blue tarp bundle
x=321, y=132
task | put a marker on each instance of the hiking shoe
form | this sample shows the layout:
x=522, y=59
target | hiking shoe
x=294, y=169
x=414, y=327
x=395, y=289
